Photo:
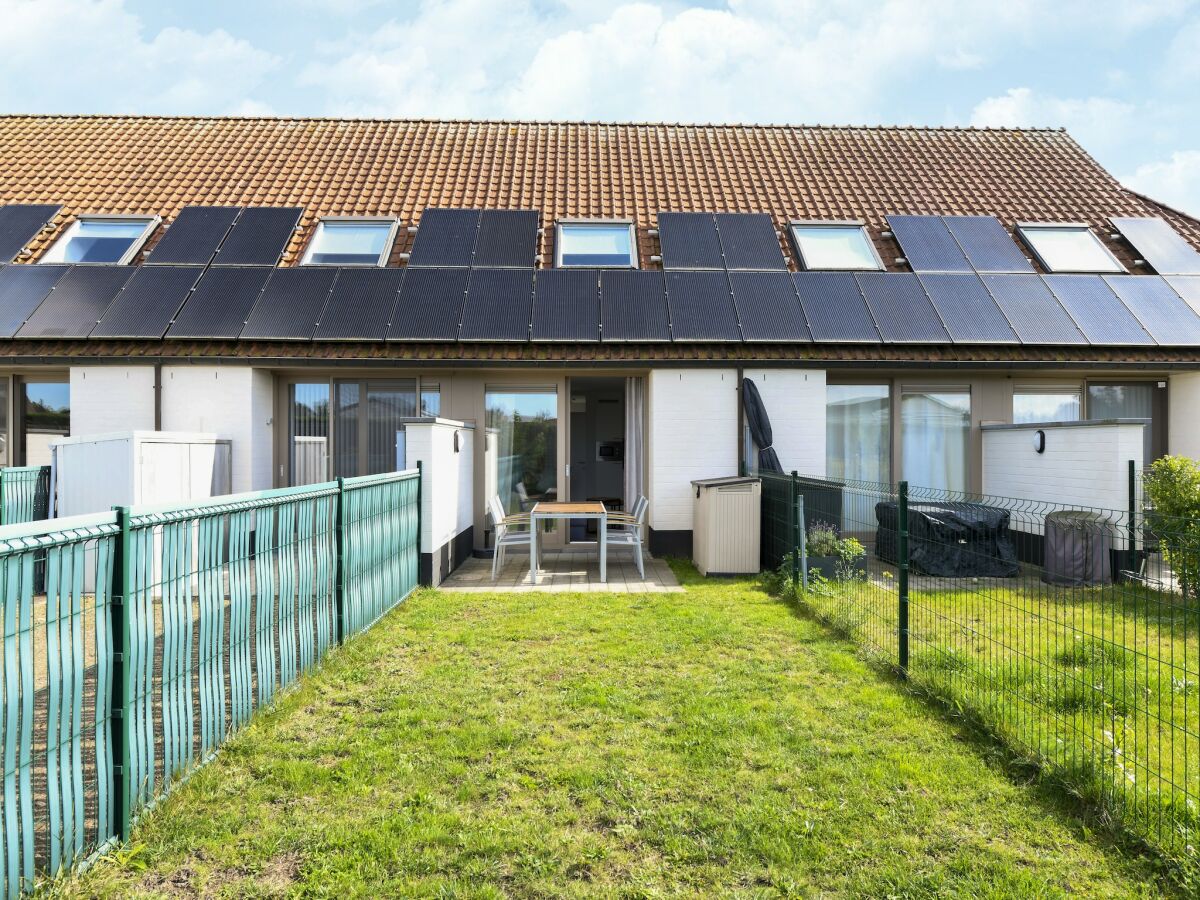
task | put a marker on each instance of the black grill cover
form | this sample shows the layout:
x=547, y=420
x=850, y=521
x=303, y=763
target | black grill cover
x=949, y=539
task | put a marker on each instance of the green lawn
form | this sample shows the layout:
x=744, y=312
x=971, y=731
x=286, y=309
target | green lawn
x=1099, y=686
x=714, y=742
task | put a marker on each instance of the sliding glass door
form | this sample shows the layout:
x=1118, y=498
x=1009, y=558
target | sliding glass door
x=522, y=446
x=308, y=432
x=935, y=433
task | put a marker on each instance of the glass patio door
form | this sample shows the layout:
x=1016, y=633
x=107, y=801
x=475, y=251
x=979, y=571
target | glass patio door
x=522, y=446
x=367, y=419
x=935, y=433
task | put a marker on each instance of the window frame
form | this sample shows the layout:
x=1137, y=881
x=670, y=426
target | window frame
x=389, y=243
x=135, y=246
x=833, y=223
x=599, y=223
x=1023, y=229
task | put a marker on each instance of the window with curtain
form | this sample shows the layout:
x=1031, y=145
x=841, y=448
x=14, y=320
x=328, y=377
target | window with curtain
x=858, y=432
x=308, y=432
x=935, y=430
x=1134, y=400
x=1047, y=405
x=4, y=381
x=522, y=464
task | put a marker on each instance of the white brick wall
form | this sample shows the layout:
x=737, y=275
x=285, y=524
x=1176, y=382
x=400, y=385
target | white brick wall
x=1083, y=466
x=105, y=399
x=234, y=402
x=447, y=478
x=795, y=401
x=1183, y=417
x=692, y=434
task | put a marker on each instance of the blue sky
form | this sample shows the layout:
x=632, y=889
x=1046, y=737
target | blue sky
x=1121, y=76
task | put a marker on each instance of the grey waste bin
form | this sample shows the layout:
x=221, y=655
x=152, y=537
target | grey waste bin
x=1078, y=548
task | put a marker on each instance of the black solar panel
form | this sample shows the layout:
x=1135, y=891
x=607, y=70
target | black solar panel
x=689, y=241
x=768, y=307
x=749, y=241
x=835, y=308
x=259, y=236
x=928, y=244
x=633, y=306
x=1160, y=245
x=290, y=304
x=701, y=307
x=988, y=247
x=445, y=237
x=968, y=310
x=22, y=288
x=566, y=305
x=193, y=238
x=148, y=303
x=360, y=307
x=900, y=308
x=1187, y=287
x=19, y=222
x=75, y=305
x=430, y=305
x=1035, y=314
x=220, y=304
x=1098, y=312
x=508, y=238
x=499, y=305
x=1161, y=311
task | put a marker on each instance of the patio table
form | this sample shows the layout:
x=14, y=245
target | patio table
x=562, y=510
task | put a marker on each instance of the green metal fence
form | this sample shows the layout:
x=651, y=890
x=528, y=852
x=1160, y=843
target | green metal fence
x=1072, y=635
x=160, y=631
x=24, y=494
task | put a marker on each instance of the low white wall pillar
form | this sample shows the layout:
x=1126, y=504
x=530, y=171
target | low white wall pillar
x=445, y=448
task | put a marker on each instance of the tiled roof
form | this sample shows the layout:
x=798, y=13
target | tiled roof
x=383, y=167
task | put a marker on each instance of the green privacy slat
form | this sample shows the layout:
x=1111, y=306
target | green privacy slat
x=264, y=610
x=24, y=494
x=240, y=678
x=224, y=601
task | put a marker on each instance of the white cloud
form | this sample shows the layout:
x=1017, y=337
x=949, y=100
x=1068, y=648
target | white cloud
x=1174, y=181
x=69, y=49
x=1099, y=123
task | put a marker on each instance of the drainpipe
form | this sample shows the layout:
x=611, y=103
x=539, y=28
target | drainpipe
x=158, y=396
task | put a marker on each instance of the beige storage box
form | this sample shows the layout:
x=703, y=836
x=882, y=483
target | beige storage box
x=725, y=525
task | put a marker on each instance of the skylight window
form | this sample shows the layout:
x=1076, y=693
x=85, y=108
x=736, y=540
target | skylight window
x=596, y=245
x=101, y=239
x=351, y=242
x=834, y=245
x=1068, y=248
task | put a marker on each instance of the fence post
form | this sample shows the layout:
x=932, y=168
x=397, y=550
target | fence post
x=902, y=575
x=119, y=685
x=1132, y=562
x=796, y=529
x=339, y=578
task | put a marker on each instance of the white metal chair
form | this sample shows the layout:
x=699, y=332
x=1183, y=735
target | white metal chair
x=628, y=533
x=511, y=531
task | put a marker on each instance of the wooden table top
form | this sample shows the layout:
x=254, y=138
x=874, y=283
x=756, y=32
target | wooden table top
x=545, y=508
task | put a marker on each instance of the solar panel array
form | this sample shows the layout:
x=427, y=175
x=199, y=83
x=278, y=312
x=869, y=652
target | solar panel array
x=472, y=277
x=958, y=244
x=1160, y=245
x=19, y=224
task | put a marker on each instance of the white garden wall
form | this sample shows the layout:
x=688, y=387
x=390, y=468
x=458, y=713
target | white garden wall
x=233, y=402
x=447, y=481
x=108, y=398
x=1085, y=464
x=692, y=434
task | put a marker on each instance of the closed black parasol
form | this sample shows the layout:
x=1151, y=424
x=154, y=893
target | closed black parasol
x=760, y=427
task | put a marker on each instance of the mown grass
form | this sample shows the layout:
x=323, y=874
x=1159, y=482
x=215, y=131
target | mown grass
x=714, y=742
x=1096, y=687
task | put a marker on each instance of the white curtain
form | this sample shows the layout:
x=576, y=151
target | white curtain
x=935, y=428
x=635, y=404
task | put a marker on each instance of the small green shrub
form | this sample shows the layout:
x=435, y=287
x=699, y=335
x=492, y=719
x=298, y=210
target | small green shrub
x=1173, y=492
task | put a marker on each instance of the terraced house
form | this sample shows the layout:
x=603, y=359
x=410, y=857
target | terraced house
x=582, y=300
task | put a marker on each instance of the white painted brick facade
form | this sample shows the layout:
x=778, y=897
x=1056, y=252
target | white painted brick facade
x=234, y=402
x=795, y=401
x=1083, y=465
x=692, y=434
x=1183, y=416
x=105, y=399
x=447, y=478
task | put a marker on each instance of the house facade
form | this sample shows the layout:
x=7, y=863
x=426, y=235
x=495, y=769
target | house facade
x=583, y=299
